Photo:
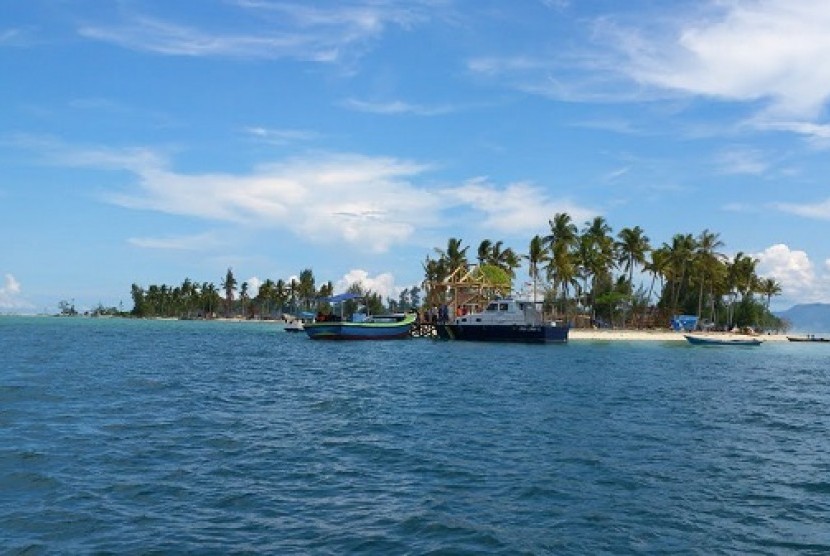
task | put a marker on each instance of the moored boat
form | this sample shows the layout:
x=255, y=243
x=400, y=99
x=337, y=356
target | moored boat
x=808, y=338
x=504, y=320
x=722, y=340
x=294, y=326
x=374, y=327
x=298, y=322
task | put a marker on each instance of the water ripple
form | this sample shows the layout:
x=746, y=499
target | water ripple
x=137, y=437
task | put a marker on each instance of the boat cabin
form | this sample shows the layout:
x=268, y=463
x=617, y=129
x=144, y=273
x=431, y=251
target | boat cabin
x=504, y=312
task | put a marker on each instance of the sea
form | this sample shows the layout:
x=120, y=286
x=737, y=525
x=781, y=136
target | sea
x=122, y=436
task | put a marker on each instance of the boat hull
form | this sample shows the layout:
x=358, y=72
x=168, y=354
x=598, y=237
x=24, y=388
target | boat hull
x=718, y=341
x=527, y=334
x=808, y=339
x=360, y=330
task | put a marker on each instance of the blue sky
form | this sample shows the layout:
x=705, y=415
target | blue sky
x=150, y=141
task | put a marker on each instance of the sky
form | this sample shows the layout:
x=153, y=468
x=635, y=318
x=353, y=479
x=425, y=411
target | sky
x=151, y=141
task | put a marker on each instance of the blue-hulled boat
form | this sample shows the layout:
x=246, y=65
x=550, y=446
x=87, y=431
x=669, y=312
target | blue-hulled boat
x=706, y=340
x=505, y=320
x=360, y=326
x=374, y=327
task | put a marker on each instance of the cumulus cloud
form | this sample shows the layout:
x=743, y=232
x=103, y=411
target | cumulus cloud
x=382, y=284
x=11, y=295
x=800, y=280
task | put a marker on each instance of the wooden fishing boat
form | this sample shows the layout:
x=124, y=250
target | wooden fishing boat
x=374, y=327
x=360, y=326
x=722, y=340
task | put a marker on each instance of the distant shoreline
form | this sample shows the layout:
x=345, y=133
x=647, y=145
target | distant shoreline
x=576, y=334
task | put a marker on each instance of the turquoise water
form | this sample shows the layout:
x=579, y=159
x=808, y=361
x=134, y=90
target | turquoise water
x=161, y=436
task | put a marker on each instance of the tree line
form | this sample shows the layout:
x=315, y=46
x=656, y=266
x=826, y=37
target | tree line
x=588, y=273
x=230, y=298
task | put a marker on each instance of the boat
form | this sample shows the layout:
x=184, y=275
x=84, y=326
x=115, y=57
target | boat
x=504, y=320
x=808, y=338
x=361, y=327
x=298, y=322
x=722, y=340
x=295, y=326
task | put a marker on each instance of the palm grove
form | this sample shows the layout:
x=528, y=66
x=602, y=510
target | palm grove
x=274, y=298
x=588, y=276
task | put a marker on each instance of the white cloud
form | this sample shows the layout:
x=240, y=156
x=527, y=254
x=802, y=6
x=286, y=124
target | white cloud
x=792, y=268
x=767, y=53
x=198, y=242
x=743, y=160
x=11, y=295
x=280, y=136
x=517, y=208
x=396, y=107
x=366, y=202
x=819, y=211
x=745, y=50
x=287, y=30
x=369, y=203
x=253, y=286
x=382, y=284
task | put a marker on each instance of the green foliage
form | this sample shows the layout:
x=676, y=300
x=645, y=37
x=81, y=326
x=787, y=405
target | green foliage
x=495, y=275
x=592, y=271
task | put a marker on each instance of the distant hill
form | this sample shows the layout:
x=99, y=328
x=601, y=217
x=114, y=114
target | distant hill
x=810, y=317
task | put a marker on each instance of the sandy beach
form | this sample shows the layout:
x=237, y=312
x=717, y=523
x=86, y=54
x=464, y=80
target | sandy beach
x=577, y=334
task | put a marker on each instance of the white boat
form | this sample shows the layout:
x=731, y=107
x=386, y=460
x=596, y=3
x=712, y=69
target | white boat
x=722, y=340
x=505, y=320
x=295, y=326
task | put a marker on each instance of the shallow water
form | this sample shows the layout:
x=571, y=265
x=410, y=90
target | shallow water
x=140, y=436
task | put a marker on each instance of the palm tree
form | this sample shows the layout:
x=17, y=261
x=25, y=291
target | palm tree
x=563, y=232
x=596, y=255
x=306, y=289
x=707, y=260
x=264, y=297
x=769, y=287
x=561, y=268
x=631, y=248
x=484, y=251
x=742, y=271
x=506, y=259
x=435, y=273
x=680, y=252
x=293, y=288
x=229, y=285
x=535, y=256
x=243, y=297
x=280, y=294
x=455, y=256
